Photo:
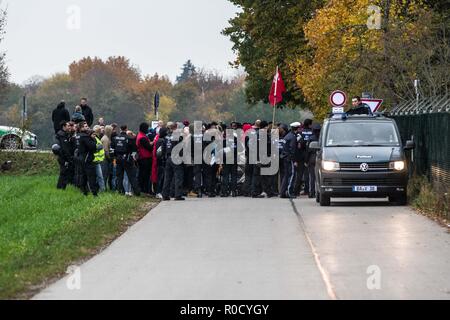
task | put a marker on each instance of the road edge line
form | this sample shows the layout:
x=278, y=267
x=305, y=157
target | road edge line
x=325, y=277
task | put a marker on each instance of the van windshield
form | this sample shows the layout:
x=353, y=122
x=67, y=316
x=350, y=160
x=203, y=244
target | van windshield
x=351, y=134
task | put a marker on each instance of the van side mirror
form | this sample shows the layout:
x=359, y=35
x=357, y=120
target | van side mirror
x=314, y=145
x=410, y=145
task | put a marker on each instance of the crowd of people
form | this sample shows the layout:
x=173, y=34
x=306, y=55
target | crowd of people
x=98, y=158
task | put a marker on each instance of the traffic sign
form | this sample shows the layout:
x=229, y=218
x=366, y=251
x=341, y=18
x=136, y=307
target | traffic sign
x=374, y=104
x=338, y=98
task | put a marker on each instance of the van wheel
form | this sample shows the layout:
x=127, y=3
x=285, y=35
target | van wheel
x=325, y=201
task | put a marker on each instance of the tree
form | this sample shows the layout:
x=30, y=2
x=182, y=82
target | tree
x=189, y=71
x=267, y=34
x=348, y=55
x=4, y=73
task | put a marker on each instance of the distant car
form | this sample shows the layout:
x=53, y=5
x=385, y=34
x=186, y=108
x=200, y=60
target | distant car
x=14, y=138
x=361, y=156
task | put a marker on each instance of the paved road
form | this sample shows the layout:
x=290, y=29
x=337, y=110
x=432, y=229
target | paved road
x=270, y=249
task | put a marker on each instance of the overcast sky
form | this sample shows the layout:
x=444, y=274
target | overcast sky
x=43, y=37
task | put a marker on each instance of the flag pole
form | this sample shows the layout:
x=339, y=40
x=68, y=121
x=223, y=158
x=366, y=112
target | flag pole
x=275, y=102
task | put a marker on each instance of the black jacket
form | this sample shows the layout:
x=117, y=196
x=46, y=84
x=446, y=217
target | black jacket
x=231, y=143
x=87, y=148
x=60, y=114
x=88, y=115
x=64, y=141
x=290, y=146
x=361, y=109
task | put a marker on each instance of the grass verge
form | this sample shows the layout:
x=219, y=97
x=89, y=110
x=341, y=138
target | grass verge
x=44, y=230
x=29, y=163
x=431, y=201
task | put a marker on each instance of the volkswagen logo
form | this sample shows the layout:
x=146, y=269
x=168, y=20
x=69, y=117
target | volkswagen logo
x=364, y=167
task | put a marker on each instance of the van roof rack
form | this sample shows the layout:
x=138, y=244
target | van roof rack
x=345, y=116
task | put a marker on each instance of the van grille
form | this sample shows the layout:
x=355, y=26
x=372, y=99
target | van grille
x=356, y=166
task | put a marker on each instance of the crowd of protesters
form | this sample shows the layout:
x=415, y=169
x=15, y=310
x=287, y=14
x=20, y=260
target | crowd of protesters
x=98, y=158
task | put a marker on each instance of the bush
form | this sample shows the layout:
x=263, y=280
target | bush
x=431, y=200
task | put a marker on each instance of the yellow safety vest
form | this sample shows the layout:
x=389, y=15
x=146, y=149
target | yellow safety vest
x=100, y=155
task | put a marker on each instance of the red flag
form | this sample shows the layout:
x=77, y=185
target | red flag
x=277, y=90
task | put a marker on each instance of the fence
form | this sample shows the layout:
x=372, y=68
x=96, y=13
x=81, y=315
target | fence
x=427, y=122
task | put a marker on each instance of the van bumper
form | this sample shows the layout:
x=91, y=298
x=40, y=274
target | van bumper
x=341, y=184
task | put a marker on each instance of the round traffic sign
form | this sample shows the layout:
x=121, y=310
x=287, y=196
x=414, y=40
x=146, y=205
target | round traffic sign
x=338, y=98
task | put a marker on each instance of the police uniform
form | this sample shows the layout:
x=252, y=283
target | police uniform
x=198, y=144
x=173, y=173
x=311, y=161
x=77, y=161
x=123, y=147
x=87, y=148
x=289, y=160
x=250, y=184
x=230, y=166
x=210, y=169
x=302, y=171
x=65, y=159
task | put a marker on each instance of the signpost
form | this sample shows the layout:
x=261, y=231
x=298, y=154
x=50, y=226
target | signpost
x=374, y=104
x=338, y=99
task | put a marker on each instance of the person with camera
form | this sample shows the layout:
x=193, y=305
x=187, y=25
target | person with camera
x=86, y=150
x=124, y=147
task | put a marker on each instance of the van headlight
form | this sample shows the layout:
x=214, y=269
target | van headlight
x=397, y=165
x=330, y=166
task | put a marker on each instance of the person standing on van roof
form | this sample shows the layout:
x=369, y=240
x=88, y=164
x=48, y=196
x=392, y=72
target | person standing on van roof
x=359, y=107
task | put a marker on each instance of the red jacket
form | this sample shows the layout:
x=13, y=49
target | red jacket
x=143, y=152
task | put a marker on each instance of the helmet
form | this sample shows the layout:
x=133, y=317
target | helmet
x=56, y=148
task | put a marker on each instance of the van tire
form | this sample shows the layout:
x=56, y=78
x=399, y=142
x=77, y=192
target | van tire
x=325, y=201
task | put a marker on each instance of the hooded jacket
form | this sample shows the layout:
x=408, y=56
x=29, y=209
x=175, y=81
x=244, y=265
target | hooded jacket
x=87, y=148
x=88, y=115
x=62, y=138
x=60, y=114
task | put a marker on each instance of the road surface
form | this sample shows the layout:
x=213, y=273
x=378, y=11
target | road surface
x=261, y=249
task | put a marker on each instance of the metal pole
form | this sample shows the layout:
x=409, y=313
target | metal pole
x=24, y=110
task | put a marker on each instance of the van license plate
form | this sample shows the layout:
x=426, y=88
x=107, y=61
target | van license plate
x=365, y=189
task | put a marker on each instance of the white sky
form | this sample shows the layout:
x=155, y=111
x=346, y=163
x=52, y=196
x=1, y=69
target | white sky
x=156, y=35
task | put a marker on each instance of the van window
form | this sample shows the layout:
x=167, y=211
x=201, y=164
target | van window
x=350, y=134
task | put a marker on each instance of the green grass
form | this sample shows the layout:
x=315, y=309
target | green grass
x=44, y=230
x=29, y=163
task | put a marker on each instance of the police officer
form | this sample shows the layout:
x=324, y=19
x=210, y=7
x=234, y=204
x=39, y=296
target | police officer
x=65, y=155
x=173, y=173
x=283, y=130
x=311, y=161
x=266, y=181
x=290, y=163
x=87, y=147
x=77, y=159
x=198, y=146
x=302, y=172
x=212, y=165
x=251, y=137
x=230, y=165
x=124, y=147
